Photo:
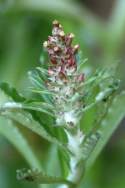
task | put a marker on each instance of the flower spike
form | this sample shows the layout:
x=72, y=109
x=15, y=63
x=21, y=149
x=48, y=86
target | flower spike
x=63, y=76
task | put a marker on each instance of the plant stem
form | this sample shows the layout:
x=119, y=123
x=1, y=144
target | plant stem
x=76, y=163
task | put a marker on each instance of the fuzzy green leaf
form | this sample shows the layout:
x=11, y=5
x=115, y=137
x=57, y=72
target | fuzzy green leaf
x=11, y=92
x=13, y=134
x=38, y=85
x=39, y=106
x=40, y=178
x=26, y=120
x=116, y=113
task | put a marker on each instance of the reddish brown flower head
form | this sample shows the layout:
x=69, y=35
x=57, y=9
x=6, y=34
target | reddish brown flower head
x=61, y=52
x=64, y=78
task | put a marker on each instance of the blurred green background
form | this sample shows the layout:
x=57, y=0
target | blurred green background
x=99, y=27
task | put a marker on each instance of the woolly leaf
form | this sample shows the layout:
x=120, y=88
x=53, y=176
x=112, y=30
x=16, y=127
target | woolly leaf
x=26, y=120
x=13, y=134
x=38, y=82
x=38, y=106
x=40, y=178
x=116, y=113
x=11, y=92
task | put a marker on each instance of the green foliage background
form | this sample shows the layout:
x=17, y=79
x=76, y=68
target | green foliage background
x=24, y=25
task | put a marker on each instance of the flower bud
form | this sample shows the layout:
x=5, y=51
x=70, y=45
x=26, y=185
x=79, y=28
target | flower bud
x=61, y=34
x=56, y=49
x=75, y=49
x=56, y=23
x=45, y=44
x=80, y=78
x=69, y=39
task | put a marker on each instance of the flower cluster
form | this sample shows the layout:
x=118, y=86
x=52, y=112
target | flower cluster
x=64, y=80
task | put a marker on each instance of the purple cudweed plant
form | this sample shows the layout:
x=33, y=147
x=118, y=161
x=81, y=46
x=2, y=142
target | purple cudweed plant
x=64, y=93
